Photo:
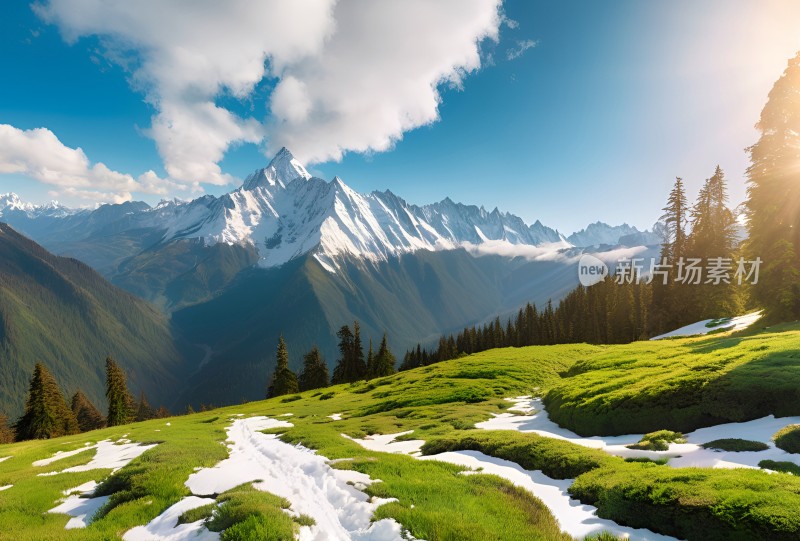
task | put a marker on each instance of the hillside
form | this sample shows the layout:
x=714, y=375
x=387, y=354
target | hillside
x=459, y=418
x=61, y=312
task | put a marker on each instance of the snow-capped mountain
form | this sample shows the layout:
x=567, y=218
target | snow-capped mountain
x=11, y=203
x=285, y=213
x=600, y=233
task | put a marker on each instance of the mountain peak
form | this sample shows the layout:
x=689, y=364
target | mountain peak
x=283, y=169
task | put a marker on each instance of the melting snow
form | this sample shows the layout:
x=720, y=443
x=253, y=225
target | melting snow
x=733, y=324
x=108, y=455
x=385, y=443
x=683, y=455
x=165, y=527
x=335, y=416
x=5, y=487
x=81, y=507
x=340, y=509
x=2, y=458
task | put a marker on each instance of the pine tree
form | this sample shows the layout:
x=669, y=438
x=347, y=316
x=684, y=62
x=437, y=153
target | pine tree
x=162, y=413
x=284, y=380
x=384, y=360
x=46, y=413
x=143, y=410
x=351, y=366
x=120, y=410
x=6, y=433
x=773, y=202
x=315, y=371
x=370, y=361
x=87, y=415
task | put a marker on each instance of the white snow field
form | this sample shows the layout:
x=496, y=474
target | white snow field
x=331, y=497
x=732, y=324
x=681, y=455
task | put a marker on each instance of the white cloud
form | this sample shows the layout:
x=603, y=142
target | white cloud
x=353, y=75
x=38, y=154
x=519, y=50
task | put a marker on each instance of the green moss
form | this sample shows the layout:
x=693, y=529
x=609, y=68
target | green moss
x=781, y=466
x=736, y=445
x=658, y=441
x=788, y=439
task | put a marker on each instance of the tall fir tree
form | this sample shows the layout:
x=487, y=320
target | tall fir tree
x=773, y=199
x=351, y=366
x=284, y=380
x=384, y=360
x=120, y=401
x=46, y=413
x=87, y=415
x=315, y=371
x=370, y=361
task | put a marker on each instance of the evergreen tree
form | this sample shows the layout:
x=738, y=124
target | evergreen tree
x=773, y=202
x=384, y=360
x=6, y=433
x=143, y=410
x=351, y=366
x=283, y=380
x=120, y=401
x=315, y=371
x=162, y=413
x=87, y=415
x=370, y=361
x=46, y=413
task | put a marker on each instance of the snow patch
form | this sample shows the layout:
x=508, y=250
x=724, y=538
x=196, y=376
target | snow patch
x=81, y=506
x=733, y=324
x=165, y=527
x=335, y=416
x=385, y=443
x=5, y=487
x=109, y=455
x=681, y=455
x=341, y=510
x=2, y=458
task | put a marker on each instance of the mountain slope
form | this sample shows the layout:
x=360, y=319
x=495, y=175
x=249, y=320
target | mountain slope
x=63, y=313
x=414, y=298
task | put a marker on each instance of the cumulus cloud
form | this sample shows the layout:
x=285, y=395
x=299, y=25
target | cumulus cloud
x=352, y=75
x=39, y=154
x=519, y=50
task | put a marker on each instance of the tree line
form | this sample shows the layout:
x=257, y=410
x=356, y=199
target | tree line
x=705, y=231
x=48, y=414
x=351, y=366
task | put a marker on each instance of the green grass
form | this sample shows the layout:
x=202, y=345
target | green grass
x=441, y=404
x=736, y=445
x=681, y=384
x=658, y=441
x=788, y=439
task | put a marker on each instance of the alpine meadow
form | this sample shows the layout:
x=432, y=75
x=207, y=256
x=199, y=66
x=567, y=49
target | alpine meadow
x=557, y=299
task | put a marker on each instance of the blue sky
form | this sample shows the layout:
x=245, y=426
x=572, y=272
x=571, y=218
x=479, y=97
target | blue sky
x=593, y=123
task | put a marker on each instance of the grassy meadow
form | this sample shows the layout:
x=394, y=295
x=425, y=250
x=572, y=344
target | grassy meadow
x=591, y=389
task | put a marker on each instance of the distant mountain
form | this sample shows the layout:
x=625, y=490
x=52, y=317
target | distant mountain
x=279, y=214
x=599, y=233
x=61, y=312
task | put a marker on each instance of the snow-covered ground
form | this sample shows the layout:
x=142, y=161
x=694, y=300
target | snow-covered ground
x=333, y=498
x=108, y=455
x=682, y=455
x=733, y=324
x=165, y=526
x=385, y=443
x=80, y=505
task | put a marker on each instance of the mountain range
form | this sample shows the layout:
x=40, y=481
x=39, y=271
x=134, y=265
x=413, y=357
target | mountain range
x=288, y=253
